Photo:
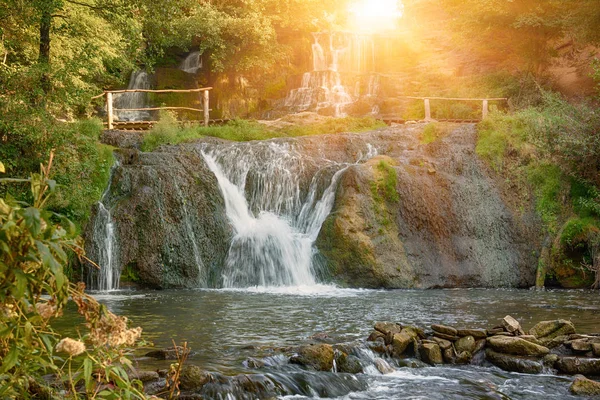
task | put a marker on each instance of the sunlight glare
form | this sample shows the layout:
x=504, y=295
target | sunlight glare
x=375, y=15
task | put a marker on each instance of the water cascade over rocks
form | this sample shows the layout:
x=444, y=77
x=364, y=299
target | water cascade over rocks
x=138, y=80
x=275, y=221
x=192, y=63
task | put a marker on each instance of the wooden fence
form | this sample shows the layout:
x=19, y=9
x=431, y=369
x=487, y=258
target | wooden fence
x=427, y=104
x=110, y=110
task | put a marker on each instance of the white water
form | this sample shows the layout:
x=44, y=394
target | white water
x=192, y=63
x=275, y=224
x=138, y=80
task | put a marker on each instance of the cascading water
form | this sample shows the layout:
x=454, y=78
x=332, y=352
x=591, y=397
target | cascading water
x=192, y=63
x=275, y=221
x=138, y=80
x=105, y=247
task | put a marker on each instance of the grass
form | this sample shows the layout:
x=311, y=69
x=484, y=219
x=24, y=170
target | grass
x=167, y=130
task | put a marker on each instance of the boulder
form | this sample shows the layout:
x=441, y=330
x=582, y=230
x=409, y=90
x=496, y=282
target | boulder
x=449, y=355
x=466, y=343
x=383, y=366
x=516, y=346
x=388, y=328
x=446, y=330
x=552, y=342
x=464, y=357
x=169, y=353
x=580, y=345
x=476, y=333
x=479, y=345
x=550, y=360
x=443, y=343
x=596, y=349
x=193, y=377
x=585, y=387
x=552, y=329
x=316, y=356
x=431, y=353
x=513, y=363
x=144, y=376
x=349, y=363
x=531, y=338
x=512, y=325
x=579, y=365
x=375, y=335
x=378, y=346
x=402, y=340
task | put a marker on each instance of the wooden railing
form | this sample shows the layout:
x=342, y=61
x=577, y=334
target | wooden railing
x=427, y=104
x=110, y=110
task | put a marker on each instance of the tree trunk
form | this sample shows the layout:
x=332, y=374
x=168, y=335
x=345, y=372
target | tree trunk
x=44, y=55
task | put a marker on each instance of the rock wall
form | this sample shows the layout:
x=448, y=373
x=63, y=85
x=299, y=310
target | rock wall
x=415, y=216
x=448, y=227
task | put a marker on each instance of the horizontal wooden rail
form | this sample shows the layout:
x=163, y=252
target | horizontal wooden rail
x=454, y=98
x=158, y=91
x=158, y=109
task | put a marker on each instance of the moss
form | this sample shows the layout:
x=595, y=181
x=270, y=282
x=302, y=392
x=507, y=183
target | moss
x=547, y=183
x=130, y=274
x=576, y=231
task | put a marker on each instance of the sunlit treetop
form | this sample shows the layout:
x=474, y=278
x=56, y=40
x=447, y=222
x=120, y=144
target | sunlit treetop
x=375, y=15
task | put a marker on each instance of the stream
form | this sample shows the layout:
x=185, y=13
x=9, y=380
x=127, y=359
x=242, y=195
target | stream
x=226, y=327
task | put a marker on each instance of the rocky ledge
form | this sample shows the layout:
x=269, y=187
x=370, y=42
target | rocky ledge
x=549, y=347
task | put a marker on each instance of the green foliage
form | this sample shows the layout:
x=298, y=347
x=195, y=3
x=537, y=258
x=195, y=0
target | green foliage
x=169, y=131
x=33, y=293
x=432, y=132
x=383, y=190
x=547, y=181
x=576, y=231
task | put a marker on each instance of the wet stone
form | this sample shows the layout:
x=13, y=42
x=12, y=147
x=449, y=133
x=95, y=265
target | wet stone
x=553, y=342
x=449, y=355
x=516, y=346
x=444, y=336
x=580, y=345
x=193, y=377
x=466, y=343
x=479, y=345
x=513, y=363
x=388, y=328
x=596, y=349
x=494, y=331
x=443, y=343
x=317, y=356
x=579, y=365
x=375, y=335
x=552, y=329
x=464, y=357
x=446, y=330
x=349, y=364
x=583, y=386
x=512, y=325
x=383, y=366
x=531, y=338
x=431, y=353
x=378, y=346
x=476, y=333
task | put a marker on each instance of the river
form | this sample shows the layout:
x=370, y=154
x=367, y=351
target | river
x=226, y=327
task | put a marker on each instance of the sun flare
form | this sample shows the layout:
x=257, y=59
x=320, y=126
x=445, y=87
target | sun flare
x=375, y=15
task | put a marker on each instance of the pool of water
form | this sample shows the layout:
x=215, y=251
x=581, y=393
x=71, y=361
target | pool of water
x=225, y=327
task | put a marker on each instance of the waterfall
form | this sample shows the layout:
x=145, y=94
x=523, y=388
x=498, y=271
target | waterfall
x=275, y=221
x=138, y=80
x=105, y=248
x=192, y=63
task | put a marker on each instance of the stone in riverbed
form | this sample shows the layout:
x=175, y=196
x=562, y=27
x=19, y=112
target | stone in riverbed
x=375, y=335
x=479, y=345
x=464, y=357
x=449, y=355
x=378, y=346
x=517, y=346
x=513, y=363
x=444, y=336
x=552, y=342
x=144, y=376
x=193, y=377
x=552, y=329
x=466, y=343
x=316, y=356
x=512, y=325
x=550, y=360
x=431, y=353
x=388, y=328
x=402, y=340
x=494, y=331
x=446, y=330
x=476, y=333
x=349, y=363
x=383, y=366
x=531, y=338
x=585, y=387
x=580, y=345
x=579, y=365
x=443, y=343
x=596, y=349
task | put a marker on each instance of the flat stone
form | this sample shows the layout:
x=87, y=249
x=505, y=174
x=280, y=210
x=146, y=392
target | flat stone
x=531, y=338
x=517, y=346
x=552, y=329
x=444, y=336
x=583, y=386
x=466, y=343
x=378, y=346
x=580, y=345
x=446, y=330
x=464, y=357
x=375, y=335
x=476, y=333
x=494, y=331
x=550, y=359
x=431, y=353
x=579, y=365
x=503, y=333
x=513, y=363
x=443, y=343
x=144, y=376
x=596, y=349
x=511, y=325
x=193, y=377
x=383, y=366
x=388, y=327
x=419, y=331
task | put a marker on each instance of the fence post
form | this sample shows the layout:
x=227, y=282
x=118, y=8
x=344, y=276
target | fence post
x=109, y=109
x=205, y=107
x=484, y=112
x=427, y=110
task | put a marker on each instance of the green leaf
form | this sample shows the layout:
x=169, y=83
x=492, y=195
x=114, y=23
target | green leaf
x=32, y=220
x=2, y=169
x=47, y=339
x=18, y=290
x=51, y=184
x=87, y=373
x=10, y=360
